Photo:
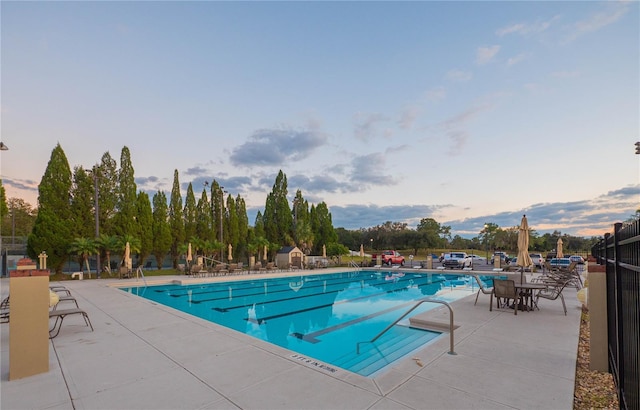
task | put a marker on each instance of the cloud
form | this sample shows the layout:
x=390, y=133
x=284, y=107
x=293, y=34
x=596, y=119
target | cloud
x=436, y=94
x=366, y=125
x=598, y=20
x=458, y=139
x=367, y=170
x=195, y=171
x=526, y=29
x=276, y=147
x=354, y=217
x=459, y=76
x=408, y=118
x=20, y=184
x=464, y=117
x=485, y=54
x=593, y=217
x=517, y=59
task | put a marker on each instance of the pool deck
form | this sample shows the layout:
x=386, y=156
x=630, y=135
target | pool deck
x=147, y=356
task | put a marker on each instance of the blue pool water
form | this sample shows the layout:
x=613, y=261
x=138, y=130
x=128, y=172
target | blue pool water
x=322, y=317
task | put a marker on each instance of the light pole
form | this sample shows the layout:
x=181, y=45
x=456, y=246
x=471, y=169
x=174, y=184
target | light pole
x=486, y=241
x=97, y=210
x=221, y=235
x=3, y=252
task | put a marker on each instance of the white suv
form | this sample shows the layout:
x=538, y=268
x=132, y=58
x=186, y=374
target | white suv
x=537, y=259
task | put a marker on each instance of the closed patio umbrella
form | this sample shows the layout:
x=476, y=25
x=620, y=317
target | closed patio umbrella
x=361, y=251
x=324, y=251
x=189, y=255
x=127, y=255
x=230, y=256
x=265, y=252
x=559, y=253
x=523, y=247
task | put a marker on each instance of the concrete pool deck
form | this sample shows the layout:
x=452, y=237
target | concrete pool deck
x=147, y=356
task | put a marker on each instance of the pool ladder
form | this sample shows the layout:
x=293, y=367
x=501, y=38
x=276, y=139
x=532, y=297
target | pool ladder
x=442, y=302
x=140, y=272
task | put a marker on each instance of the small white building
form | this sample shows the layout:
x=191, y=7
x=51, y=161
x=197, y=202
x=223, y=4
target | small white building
x=289, y=256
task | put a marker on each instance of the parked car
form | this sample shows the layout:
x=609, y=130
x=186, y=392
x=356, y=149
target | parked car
x=577, y=259
x=477, y=258
x=456, y=260
x=504, y=258
x=560, y=262
x=537, y=259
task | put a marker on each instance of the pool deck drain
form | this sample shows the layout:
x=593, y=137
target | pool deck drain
x=144, y=355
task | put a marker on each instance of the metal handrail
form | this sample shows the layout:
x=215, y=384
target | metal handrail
x=451, y=351
x=354, y=264
x=139, y=271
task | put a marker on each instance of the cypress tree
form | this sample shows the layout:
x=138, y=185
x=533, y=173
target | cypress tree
x=125, y=218
x=189, y=214
x=107, y=176
x=176, y=222
x=243, y=226
x=144, y=229
x=4, y=210
x=82, y=204
x=161, y=229
x=204, y=226
x=278, y=221
x=52, y=232
x=324, y=233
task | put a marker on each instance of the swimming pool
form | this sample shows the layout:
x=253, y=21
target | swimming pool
x=322, y=317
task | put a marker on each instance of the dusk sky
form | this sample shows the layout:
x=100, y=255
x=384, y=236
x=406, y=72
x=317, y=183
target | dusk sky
x=465, y=112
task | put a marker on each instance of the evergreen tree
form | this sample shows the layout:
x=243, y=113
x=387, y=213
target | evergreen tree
x=144, y=230
x=189, y=214
x=107, y=176
x=278, y=221
x=125, y=218
x=176, y=222
x=4, y=210
x=161, y=228
x=324, y=232
x=82, y=204
x=51, y=231
x=218, y=215
x=204, y=227
x=243, y=225
x=20, y=219
x=258, y=226
x=302, y=228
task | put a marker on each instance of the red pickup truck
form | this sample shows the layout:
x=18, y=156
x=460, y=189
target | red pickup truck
x=389, y=258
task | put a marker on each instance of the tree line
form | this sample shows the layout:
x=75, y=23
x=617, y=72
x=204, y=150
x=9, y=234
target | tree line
x=70, y=202
x=64, y=223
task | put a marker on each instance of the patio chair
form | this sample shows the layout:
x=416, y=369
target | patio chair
x=554, y=291
x=59, y=315
x=487, y=290
x=505, y=290
x=4, y=310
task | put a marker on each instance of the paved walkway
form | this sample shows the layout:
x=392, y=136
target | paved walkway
x=146, y=356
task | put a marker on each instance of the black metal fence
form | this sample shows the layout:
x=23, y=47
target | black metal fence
x=620, y=252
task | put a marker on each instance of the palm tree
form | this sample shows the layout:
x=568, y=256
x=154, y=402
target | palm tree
x=108, y=244
x=84, y=247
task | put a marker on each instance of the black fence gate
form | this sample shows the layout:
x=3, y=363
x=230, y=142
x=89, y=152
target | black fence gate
x=620, y=252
